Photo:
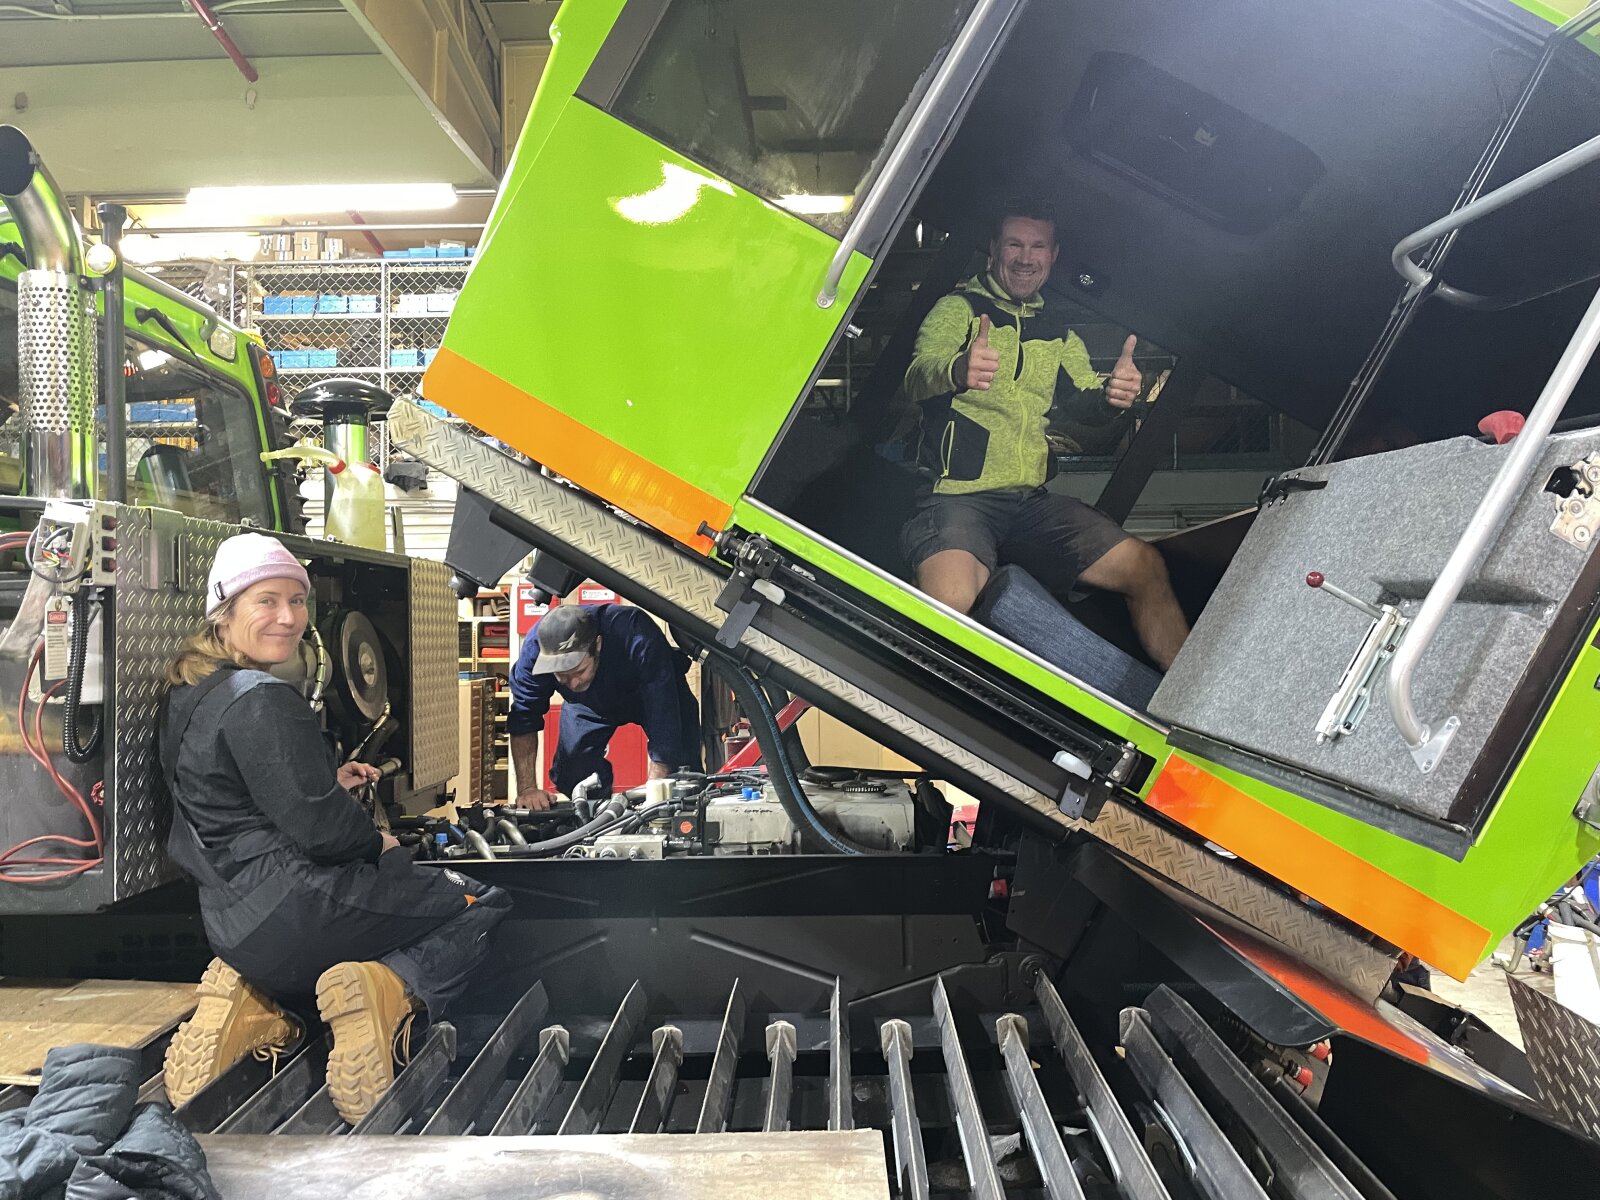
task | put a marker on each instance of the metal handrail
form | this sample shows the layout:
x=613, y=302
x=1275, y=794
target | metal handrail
x=909, y=145
x=1546, y=173
x=1485, y=526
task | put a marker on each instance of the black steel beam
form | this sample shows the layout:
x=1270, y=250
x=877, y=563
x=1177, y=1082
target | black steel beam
x=780, y=1081
x=1301, y=1171
x=970, y=1125
x=660, y=1087
x=285, y=1093
x=910, y=1158
x=594, y=1094
x=1131, y=1166
x=538, y=1086
x=1044, y=1139
x=1217, y=1170
x=719, y=1088
x=839, y=1090
x=458, y=1111
x=401, y=1105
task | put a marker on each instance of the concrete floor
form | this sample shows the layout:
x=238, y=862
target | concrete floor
x=1487, y=995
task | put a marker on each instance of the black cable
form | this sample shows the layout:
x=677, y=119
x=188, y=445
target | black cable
x=75, y=667
x=814, y=835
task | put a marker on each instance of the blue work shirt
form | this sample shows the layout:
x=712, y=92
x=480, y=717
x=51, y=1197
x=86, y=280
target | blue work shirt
x=640, y=681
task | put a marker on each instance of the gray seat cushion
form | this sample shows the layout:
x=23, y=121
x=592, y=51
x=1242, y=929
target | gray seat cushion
x=1017, y=606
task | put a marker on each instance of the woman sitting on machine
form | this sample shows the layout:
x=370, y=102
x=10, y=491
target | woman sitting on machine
x=299, y=892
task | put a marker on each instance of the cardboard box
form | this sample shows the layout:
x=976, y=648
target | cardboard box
x=307, y=245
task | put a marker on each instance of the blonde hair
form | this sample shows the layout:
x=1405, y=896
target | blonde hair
x=205, y=651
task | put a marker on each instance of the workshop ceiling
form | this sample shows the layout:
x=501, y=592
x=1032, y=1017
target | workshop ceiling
x=136, y=97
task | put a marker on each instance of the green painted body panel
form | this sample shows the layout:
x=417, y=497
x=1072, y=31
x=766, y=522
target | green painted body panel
x=685, y=333
x=1530, y=846
x=195, y=326
x=701, y=294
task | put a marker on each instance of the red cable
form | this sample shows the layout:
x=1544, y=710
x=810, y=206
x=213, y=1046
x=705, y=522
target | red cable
x=39, y=755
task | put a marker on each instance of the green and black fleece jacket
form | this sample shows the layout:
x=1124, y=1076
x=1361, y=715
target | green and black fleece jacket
x=994, y=440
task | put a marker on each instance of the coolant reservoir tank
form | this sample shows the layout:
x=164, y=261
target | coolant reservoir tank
x=356, y=514
x=355, y=508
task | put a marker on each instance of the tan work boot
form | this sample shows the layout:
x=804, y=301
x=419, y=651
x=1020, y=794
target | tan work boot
x=368, y=1009
x=230, y=1020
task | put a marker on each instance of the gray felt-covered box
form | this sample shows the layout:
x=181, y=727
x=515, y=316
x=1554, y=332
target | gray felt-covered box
x=1269, y=651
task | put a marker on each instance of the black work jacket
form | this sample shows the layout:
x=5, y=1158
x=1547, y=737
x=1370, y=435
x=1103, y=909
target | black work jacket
x=254, y=775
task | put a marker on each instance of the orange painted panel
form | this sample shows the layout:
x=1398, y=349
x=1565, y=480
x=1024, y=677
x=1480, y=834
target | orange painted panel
x=1321, y=869
x=569, y=448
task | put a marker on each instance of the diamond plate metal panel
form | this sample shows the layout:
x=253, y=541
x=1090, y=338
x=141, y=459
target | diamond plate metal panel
x=690, y=583
x=162, y=563
x=1564, y=1052
x=434, y=743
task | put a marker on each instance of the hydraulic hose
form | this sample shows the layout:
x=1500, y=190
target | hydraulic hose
x=513, y=834
x=477, y=843
x=604, y=816
x=75, y=666
x=815, y=837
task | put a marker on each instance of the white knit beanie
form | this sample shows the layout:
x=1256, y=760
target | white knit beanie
x=248, y=558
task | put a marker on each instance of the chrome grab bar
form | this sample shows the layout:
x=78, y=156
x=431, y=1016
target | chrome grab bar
x=908, y=147
x=1426, y=742
x=1546, y=173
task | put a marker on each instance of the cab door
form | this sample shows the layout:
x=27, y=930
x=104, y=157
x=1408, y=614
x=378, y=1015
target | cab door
x=694, y=205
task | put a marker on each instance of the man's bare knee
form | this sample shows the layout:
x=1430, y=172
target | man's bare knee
x=1129, y=567
x=952, y=577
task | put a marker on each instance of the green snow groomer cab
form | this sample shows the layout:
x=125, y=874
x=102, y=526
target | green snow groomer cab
x=134, y=419
x=695, y=301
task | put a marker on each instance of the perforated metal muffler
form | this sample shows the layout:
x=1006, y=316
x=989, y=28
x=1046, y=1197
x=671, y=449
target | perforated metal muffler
x=57, y=368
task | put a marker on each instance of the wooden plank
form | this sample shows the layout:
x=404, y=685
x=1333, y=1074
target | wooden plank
x=728, y=1166
x=39, y=1014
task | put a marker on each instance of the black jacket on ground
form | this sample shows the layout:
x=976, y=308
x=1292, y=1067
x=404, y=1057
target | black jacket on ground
x=83, y=1138
x=291, y=880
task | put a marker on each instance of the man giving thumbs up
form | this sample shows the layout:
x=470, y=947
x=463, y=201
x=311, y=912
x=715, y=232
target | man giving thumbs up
x=991, y=368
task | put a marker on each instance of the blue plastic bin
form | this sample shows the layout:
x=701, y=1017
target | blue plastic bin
x=365, y=304
x=276, y=306
x=295, y=360
x=304, y=306
x=322, y=358
x=404, y=358
x=333, y=304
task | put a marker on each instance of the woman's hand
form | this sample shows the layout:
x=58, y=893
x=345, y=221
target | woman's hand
x=353, y=775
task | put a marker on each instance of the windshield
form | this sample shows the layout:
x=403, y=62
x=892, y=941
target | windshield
x=193, y=442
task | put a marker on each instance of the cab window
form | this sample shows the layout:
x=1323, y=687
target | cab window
x=793, y=101
x=193, y=443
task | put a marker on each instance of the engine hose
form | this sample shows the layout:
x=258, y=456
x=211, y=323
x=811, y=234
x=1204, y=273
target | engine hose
x=814, y=835
x=513, y=834
x=604, y=816
x=477, y=843
x=75, y=666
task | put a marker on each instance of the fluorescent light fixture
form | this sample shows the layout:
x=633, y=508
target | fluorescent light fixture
x=815, y=204
x=284, y=199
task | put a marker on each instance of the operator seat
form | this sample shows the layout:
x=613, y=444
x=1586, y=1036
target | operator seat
x=1016, y=605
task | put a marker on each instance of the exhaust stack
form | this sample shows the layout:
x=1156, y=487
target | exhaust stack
x=56, y=345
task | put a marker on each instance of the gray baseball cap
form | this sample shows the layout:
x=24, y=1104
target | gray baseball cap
x=566, y=634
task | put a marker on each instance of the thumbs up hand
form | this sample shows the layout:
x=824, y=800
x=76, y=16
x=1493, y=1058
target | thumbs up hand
x=975, y=369
x=1125, y=383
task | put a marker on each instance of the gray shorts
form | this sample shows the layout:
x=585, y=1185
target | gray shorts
x=1055, y=538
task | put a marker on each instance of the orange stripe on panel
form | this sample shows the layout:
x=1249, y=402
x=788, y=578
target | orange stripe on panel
x=1323, y=870
x=571, y=449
